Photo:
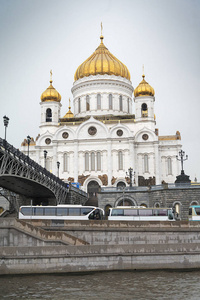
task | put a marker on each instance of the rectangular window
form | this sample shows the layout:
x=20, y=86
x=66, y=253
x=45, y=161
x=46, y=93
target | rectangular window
x=169, y=165
x=79, y=105
x=98, y=161
x=120, y=160
x=145, y=212
x=92, y=161
x=48, y=164
x=120, y=103
x=87, y=103
x=128, y=106
x=49, y=211
x=146, y=164
x=197, y=210
x=160, y=212
x=110, y=101
x=74, y=211
x=85, y=211
x=117, y=212
x=38, y=211
x=130, y=212
x=65, y=162
x=62, y=211
x=86, y=161
x=26, y=211
x=98, y=101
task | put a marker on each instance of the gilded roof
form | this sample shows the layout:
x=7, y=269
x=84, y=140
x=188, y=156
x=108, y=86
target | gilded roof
x=50, y=94
x=102, y=62
x=144, y=89
x=69, y=114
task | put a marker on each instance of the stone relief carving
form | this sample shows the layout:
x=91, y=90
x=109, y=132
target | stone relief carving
x=113, y=179
x=104, y=179
x=71, y=179
x=82, y=178
x=146, y=182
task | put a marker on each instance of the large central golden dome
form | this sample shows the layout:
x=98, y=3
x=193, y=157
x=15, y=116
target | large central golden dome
x=102, y=62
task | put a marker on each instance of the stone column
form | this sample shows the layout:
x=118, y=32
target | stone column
x=109, y=160
x=75, y=160
x=55, y=159
x=157, y=164
x=132, y=157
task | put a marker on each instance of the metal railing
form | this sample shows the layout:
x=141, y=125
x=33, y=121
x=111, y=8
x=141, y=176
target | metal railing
x=16, y=153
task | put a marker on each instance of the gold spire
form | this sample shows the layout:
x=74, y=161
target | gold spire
x=102, y=62
x=51, y=76
x=101, y=37
x=144, y=89
x=50, y=94
x=69, y=114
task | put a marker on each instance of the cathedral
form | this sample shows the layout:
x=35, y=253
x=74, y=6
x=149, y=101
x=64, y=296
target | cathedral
x=110, y=135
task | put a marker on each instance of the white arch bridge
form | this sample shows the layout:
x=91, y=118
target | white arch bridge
x=23, y=176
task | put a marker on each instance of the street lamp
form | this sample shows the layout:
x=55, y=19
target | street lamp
x=45, y=158
x=5, y=121
x=58, y=166
x=130, y=174
x=28, y=141
x=182, y=159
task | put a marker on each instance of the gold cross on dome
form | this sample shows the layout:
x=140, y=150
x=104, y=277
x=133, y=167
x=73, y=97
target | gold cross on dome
x=50, y=75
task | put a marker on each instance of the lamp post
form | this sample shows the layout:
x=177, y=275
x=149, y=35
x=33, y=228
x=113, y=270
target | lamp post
x=130, y=174
x=28, y=141
x=5, y=121
x=45, y=158
x=182, y=159
x=58, y=166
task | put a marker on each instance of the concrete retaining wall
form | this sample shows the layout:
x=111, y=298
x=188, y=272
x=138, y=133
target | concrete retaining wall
x=113, y=246
x=60, y=259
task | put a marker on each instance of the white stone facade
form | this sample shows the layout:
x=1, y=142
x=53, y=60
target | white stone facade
x=104, y=138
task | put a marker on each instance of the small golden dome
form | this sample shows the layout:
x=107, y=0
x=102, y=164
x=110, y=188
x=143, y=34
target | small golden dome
x=69, y=114
x=50, y=94
x=144, y=89
x=102, y=62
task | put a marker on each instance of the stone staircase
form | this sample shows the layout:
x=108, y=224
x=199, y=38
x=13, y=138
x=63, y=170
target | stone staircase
x=41, y=234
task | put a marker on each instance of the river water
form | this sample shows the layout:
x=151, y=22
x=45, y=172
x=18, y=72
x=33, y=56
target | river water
x=103, y=285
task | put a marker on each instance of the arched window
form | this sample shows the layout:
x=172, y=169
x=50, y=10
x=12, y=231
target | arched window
x=86, y=161
x=92, y=161
x=79, y=105
x=144, y=110
x=120, y=103
x=177, y=210
x=98, y=161
x=110, y=101
x=48, y=115
x=146, y=163
x=87, y=103
x=121, y=185
x=65, y=162
x=128, y=106
x=169, y=166
x=120, y=160
x=98, y=101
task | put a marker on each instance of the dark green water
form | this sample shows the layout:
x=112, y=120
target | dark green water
x=105, y=285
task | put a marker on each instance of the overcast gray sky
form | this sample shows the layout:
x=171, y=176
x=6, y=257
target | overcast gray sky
x=164, y=35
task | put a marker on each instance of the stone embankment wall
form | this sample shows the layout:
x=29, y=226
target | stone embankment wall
x=74, y=246
x=164, y=195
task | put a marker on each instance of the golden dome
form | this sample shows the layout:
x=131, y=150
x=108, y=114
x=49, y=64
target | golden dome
x=144, y=89
x=102, y=62
x=69, y=114
x=50, y=94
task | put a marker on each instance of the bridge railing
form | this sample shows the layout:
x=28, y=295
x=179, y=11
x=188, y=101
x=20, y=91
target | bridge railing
x=27, y=160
